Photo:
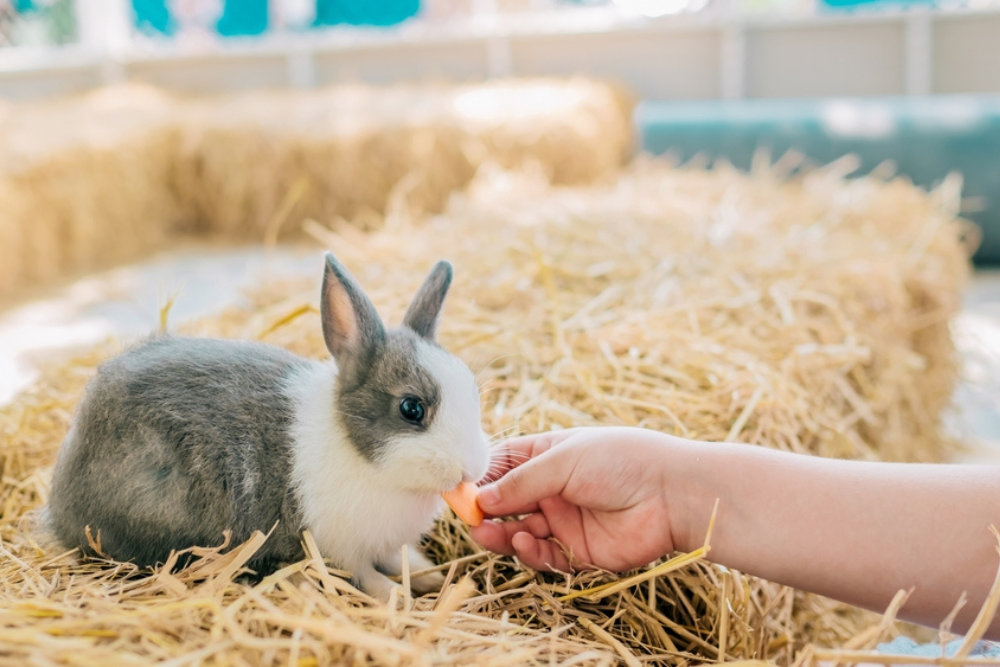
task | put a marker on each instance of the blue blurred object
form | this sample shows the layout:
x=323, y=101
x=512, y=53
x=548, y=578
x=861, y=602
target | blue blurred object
x=872, y=4
x=906, y=646
x=927, y=138
x=250, y=17
x=24, y=5
x=243, y=17
x=365, y=12
x=152, y=16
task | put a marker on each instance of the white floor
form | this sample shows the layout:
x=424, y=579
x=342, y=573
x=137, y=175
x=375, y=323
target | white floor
x=126, y=302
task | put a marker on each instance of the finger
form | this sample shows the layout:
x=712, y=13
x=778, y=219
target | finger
x=515, y=451
x=538, y=554
x=527, y=509
x=499, y=534
x=525, y=485
x=493, y=537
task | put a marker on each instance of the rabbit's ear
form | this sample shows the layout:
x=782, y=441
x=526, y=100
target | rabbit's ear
x=351, y=326
x=424, y=311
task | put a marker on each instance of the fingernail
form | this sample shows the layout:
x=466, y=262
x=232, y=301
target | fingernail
x=489, y=496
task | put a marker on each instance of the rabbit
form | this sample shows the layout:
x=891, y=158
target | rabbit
x=180, y=439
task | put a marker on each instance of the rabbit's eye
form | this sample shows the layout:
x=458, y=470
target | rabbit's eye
x=411, y=409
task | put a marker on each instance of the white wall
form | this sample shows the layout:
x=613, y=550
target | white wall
x=967, y=56
x=681, y=64
x=816, y=61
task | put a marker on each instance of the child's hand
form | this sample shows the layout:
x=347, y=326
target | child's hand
x=857, y=531
x=594, y=497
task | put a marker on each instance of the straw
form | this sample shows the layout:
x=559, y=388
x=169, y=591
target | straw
x=648, y=300
x=97, y=179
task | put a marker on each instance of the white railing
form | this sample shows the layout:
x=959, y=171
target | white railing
x=699, y=48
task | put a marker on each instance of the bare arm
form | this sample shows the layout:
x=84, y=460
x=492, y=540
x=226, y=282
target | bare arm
x=854, y=531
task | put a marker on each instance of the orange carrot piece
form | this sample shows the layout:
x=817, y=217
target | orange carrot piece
x=462, y=499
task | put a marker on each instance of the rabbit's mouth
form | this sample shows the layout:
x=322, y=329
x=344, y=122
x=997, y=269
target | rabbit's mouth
x=474, y=477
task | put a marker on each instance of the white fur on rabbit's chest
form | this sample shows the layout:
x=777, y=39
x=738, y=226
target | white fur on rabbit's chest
x=369, y=529
x=356, y=517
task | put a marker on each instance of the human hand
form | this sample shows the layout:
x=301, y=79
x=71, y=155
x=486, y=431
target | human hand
x=619, y=498
x=593, y=498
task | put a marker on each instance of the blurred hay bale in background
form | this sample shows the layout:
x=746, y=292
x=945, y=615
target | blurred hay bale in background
x=250, y=162
x=107, y=176
x=808, y=315
x=85, y=183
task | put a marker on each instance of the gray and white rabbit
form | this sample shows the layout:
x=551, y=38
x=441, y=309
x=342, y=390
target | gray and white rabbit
x=180, y=439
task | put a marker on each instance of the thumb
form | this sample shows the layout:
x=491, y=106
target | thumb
x=520, y=490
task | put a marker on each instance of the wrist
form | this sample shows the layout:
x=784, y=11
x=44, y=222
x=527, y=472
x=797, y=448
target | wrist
x=700, y=477
x=688, y=488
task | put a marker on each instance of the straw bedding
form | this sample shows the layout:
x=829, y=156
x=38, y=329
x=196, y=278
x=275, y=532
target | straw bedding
x=807, y=314
x=105, y=177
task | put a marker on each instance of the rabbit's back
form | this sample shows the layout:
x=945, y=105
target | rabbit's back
x=177, y=440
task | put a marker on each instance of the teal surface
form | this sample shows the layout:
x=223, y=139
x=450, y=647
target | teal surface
x=365, y=12
x=242, y=18
x=152, y=16
x=250, y=17
x=876, y=4
x=926, y=138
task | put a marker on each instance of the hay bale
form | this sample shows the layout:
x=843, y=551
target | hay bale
x=808, y=315
x=83, y=183
x=251, y=161
x=107, y=176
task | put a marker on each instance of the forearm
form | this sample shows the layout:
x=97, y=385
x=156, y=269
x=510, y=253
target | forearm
x=854, y=531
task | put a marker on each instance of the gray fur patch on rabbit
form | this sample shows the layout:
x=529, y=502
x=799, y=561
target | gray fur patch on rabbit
x=365, y=392
x=188, y=429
